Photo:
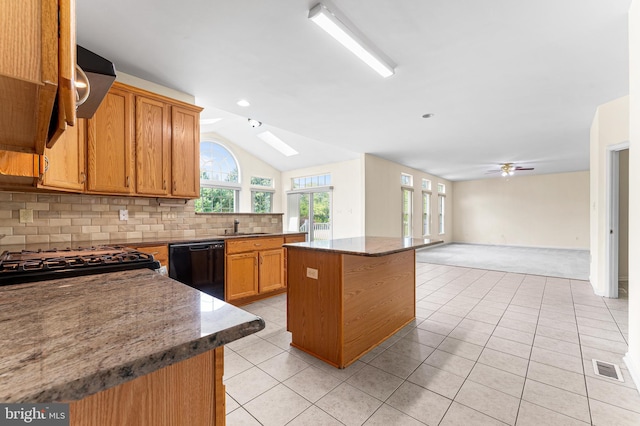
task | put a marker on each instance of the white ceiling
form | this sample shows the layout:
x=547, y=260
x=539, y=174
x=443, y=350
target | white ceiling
x=508, y=81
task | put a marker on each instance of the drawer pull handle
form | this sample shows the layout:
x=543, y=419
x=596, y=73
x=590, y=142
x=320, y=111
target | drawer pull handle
x=257, y=244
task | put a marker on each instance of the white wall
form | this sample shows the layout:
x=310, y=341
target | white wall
x=249, y=166
x=383, y=200
x=610, y=127
x=347, y=179
x=536, y=211
x=633, y=356
x=153, y=87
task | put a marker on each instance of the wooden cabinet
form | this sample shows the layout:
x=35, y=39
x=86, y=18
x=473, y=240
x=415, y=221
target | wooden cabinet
x=254, y=268
x=166, y=137
x=19, y=170
x=270, y=270
x=65, y=162
x=159, y=253
x=37, y=69
x=153, y=143
x=189, y=392
x=241, y=271
x=110, y=145
x=185, y=158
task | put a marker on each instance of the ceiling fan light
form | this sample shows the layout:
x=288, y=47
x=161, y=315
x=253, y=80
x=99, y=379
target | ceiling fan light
x=504, y=173
x=510, y=172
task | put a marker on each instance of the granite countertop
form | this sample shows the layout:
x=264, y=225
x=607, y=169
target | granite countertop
x=65, y=339
x=366, y=246
x=140, y=242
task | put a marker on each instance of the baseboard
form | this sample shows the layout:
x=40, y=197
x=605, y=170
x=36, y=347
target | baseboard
x=520, y=246
x=634, y=370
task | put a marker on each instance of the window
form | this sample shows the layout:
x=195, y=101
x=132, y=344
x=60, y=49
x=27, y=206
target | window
x=219, y=180
x=406, y=180
x=311, y=181
x=426, y=184
x=261, y=181
x=426, y=214
x=441, y=199
x=261, y=194
x=407, y=212
x=441, y=188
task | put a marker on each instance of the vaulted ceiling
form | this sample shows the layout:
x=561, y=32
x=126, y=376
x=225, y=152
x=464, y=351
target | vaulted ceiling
x=507, y=81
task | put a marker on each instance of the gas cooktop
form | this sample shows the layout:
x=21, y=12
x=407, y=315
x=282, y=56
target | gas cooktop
x=38, y=265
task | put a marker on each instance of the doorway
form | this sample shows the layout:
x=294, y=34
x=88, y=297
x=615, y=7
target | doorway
x=310, y=211
x=617, y=201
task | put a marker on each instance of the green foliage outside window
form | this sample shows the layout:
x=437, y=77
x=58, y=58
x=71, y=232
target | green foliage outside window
x=215, y=200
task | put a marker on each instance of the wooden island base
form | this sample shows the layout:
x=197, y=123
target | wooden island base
x=351, y=305
x=189, y=392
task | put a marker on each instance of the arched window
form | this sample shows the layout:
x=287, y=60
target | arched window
x=219, y=179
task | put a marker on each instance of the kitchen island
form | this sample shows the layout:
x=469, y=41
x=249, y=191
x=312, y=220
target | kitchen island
x=130, y=347
x=346, y=296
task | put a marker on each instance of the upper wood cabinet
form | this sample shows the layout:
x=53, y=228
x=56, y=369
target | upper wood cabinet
x=65, y=163
x=153, y=145
x=110, y=145
x=185, y=158
x=37, y=69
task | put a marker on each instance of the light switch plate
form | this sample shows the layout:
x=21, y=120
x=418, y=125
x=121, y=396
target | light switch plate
x=124, y=214
x=26, y=216
x=312, y=273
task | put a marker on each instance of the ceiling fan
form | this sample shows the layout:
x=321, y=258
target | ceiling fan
x=508, y=169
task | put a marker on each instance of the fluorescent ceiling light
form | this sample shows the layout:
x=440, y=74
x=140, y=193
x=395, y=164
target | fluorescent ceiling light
x=243, y=103
x=326, y=20
x=277, y=143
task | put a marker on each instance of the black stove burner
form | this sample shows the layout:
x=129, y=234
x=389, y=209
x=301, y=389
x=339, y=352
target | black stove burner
x=37, y=265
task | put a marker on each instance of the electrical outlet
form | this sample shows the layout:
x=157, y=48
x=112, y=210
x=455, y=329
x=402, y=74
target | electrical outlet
x=26, y=216
x=312, y=273
x=124, y=214
x=169, y=215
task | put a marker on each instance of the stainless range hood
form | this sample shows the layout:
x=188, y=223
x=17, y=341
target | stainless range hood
x=101, y=74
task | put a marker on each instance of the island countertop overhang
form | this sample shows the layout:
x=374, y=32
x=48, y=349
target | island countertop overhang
x=366, y=246
x=69, y=338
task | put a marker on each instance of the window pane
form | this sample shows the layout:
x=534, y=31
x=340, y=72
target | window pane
x=441, y=199
x=407, y=212
x=406, y=179
x=217, y=164
x=311, y=181
x=262, y=201
x=216, y=200
x=426, y=214
x=260, y=181
x=441, y=188
x=426, y=184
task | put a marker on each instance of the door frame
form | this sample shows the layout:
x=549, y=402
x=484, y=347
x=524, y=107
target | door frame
x=612, y=203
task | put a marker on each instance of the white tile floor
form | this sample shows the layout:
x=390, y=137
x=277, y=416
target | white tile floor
x=487, y=348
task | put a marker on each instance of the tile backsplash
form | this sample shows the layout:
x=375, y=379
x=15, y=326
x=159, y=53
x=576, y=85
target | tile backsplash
x=70, y=218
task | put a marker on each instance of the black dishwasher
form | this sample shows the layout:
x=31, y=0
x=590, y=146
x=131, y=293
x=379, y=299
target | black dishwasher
x=199, y=265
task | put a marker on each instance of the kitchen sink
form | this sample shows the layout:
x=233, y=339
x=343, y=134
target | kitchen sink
x=249, y=233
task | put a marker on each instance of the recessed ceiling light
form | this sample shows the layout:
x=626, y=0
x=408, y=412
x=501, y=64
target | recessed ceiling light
x=428, y=115
x=243, y=103
x=277, y=143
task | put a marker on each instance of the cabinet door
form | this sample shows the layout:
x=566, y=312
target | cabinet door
x=109, y=145
x=152, y=146
x=241, y=275
x=65, y=162
x=185, y=153
x=159, y=253
x=271, y=270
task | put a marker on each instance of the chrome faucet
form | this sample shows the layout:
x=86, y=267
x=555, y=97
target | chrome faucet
x=236, y=222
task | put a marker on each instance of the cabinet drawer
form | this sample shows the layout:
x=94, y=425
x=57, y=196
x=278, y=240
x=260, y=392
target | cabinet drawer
x=160, y=253
x=253, y=244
